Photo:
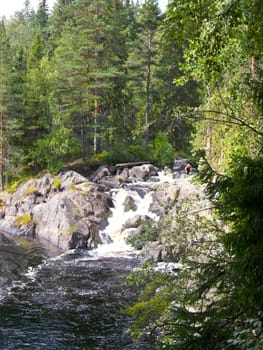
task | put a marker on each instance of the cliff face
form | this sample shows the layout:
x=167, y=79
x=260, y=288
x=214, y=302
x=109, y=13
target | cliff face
x=67, y=211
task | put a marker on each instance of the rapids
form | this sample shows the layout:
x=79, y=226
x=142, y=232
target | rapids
x=73, y=300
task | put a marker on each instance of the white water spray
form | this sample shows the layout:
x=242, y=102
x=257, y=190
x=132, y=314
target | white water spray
x=114, y=236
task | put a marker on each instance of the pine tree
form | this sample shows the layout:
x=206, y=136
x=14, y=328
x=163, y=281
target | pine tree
x=89, y=70
x=41, y=17
x=142, y=58
x=5, y=74
x=61, y=14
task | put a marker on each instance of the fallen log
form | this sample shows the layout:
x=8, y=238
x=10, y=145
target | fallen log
x=129, y=165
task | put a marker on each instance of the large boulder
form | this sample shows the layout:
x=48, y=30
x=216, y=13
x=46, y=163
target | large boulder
x=179, y=164
x=164, y=197
x=143, y=172
x=68, y=211
x=71, y=219
x=102, y=173
x=136, y=221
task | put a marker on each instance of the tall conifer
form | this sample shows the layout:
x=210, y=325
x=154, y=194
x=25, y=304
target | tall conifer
x=86, y=66
x=4, y=78
x=142, y=57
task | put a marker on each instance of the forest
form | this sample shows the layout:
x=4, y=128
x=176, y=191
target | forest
x=106, y=81
x=91, y=81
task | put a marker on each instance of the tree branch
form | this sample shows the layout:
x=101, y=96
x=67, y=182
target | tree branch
x=237, y=121
x=196, y=211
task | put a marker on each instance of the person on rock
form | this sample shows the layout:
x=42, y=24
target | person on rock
x=188, y=168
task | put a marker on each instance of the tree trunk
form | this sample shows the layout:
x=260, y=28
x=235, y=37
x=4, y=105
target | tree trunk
x=147, y=115
x=1, y=154
x=209, y=132
x=96, y=103
x=148, y=87
x=82, y=133
x=253, y=67
x=96, y=115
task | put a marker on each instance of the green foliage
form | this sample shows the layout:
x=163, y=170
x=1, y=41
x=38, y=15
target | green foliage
x=13, y=186
x=218, y=40
x=212, y=298
x=163, y=151
x=248, y=336
x=188, y=305
x=239, y=201
x=141, y=61
x=74, y=86
x=23, y=220
x=53, y=150
x=126, y=152
x=57, y=183
x=148, y=233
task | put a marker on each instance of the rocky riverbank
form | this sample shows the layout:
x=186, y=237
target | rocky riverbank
x=69, y=210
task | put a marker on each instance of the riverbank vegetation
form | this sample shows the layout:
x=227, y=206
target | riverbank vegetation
x=214, y=299
x=97, y=82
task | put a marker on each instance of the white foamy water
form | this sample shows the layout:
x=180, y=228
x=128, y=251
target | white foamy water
x=115, y=234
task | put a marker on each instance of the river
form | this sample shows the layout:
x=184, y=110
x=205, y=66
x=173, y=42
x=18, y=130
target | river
x=73, y=300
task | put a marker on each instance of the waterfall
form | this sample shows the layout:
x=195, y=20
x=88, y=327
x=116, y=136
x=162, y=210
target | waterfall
x=115, y=234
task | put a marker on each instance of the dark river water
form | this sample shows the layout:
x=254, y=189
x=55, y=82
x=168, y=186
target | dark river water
x=70, y=301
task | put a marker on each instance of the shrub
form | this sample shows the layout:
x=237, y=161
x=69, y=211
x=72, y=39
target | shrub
x=23, y=220
x=163, y=151
x=149, y=233
x=57, y=183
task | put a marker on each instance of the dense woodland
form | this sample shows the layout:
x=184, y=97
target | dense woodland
x=105, y=81
x=90, y=81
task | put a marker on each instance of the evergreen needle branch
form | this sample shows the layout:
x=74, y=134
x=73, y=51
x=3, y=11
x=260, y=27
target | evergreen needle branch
x=235, y=119
x=165, y=324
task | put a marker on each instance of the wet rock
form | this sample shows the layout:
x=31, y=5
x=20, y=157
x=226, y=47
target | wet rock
x=69, y=210
x=141, y=190
x=67, y=180
x=124, y=174
x=12, y=260
x=136, y=221
x=35, y=188
x=73, y=218
x=129, y=204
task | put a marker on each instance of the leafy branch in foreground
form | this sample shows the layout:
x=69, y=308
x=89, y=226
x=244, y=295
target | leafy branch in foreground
x=177, y=302
x=211, y=297
x=239, y=202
